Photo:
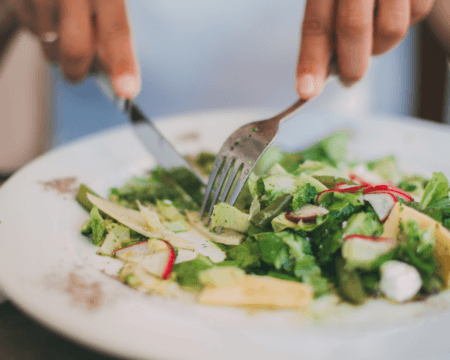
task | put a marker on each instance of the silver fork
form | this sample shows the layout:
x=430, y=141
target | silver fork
x=241, y=151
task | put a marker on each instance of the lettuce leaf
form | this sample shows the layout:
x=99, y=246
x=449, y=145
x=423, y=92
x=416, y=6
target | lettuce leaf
x=331, y=150
x=436, y=190
x=187, y=273
x=247, y=254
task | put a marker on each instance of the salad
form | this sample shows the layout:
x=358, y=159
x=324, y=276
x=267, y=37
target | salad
x=313, y=223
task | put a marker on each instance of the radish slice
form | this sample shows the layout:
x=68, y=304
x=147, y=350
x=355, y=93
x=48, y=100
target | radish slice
x=342, y=185
x=359, y=180
x=307, y=213
x=160, y=263
x=382, y=203
x=133, y=252
x=350, y=189
x=369, y=238
x=155, y=245
x=388, y=189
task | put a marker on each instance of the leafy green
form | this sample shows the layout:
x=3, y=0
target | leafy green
x=290, y=161
x=187, y=273
x=436, y=190
x=331, y=181
x=290, y=252
x=247, y=254
x=385, y=167
x=440, y=211
x=204, y=161
x=331, y=150
x=350, y=284
x=274, y=251
x=305, y=179
x=277, y=185
x=336, y=201
x=277, y=169
x=327, y=238
x=416, y=248
x=414, y=184
x=98, y=227
x=228, y=216
x=309, y=167
x=157, y=186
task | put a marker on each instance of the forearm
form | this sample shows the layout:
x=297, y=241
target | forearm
x=8, y=28
x=439, y=23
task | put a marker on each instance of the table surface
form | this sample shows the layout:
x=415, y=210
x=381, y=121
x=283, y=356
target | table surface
x=22, y=338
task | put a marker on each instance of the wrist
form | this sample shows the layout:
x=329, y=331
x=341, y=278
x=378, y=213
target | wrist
x=8, y=26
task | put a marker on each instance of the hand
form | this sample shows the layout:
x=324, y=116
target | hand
x=75, y=32
x=354, y=30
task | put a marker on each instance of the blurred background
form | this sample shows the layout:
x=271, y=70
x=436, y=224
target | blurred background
x=200, y=55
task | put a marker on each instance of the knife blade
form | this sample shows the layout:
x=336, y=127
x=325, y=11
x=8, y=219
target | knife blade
x=177, y=167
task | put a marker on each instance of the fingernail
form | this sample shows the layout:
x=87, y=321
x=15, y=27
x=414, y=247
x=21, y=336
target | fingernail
x=127, y=86
x=306, y=86
x=346, y=83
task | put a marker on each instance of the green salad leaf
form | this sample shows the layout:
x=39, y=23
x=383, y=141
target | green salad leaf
x=187, y=273
x=436, y=190
x=98, y=227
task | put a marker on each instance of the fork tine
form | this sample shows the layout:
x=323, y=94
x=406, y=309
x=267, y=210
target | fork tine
x=238, y=187
x=230, y=182
x=220, y=182
x=235, y=193
x=212, y=178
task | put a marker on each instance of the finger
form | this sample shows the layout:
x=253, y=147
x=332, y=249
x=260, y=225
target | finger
x=115, y=47
x=47, y=27
x=391, y=24
x=420, y=9
x=316, y=47
x=76, y=44
x=354, y=31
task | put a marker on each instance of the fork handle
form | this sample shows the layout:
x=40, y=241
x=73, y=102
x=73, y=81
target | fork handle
x=290, y=110
x=333, y=70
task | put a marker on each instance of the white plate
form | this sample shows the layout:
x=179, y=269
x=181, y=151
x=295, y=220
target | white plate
x=51, y=272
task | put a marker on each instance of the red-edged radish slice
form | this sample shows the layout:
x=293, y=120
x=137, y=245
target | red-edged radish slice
x=369, y=238
x=350, y=189
x=389, y=189
x=382, y=203
x=155, y=245
x=133, y=252
x=307, y=213
x=361, y=251
x=342, y=185
x=160, y=263
x=358, y=179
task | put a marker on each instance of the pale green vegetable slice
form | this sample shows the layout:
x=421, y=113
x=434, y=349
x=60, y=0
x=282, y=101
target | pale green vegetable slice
x=168, y=211
x=136, y=221
x=151, y=218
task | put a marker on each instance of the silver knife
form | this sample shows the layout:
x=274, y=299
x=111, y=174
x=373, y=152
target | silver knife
x=155, y=142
